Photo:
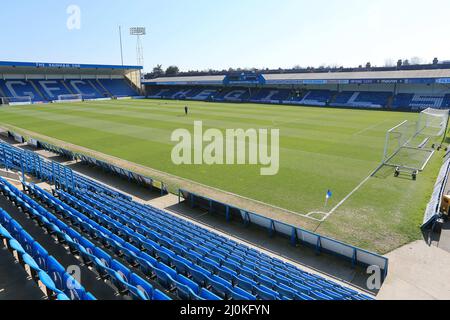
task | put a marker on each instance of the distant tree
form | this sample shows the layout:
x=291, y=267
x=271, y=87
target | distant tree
x=158, y=71
x=389, y=63
x=368, y=65
x=399, y=63
x=406, y=62
x=172, y=71
x=435, y=61
x=416, y=60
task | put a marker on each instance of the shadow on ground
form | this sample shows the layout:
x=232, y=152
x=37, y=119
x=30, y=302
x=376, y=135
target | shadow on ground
x=332, y=266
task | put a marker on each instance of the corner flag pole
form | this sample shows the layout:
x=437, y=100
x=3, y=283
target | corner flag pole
x=328, y=197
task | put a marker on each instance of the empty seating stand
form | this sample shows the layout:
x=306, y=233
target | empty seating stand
x=147, y=253
x=118, y=87
x=42, y=268
x=41, y=90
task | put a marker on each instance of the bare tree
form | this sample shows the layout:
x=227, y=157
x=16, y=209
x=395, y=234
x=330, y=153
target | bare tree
x=389, y=62
x=416, y=60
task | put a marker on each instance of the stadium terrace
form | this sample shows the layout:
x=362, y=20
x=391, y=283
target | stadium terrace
x=405, y=90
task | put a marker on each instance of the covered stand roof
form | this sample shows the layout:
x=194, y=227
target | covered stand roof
x=12, y=67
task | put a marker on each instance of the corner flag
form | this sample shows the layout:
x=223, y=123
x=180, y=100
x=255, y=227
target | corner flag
x=328, y=197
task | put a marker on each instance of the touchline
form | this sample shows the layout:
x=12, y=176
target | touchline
x=232, y=147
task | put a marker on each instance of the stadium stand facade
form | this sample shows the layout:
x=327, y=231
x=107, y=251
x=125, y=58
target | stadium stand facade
x=142, y=252
x=406, y=90
x=47, y=82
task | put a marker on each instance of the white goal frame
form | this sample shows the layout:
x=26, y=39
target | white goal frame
x=433, y=122
x=16, y=101
x=412, y=138
x=62, y=98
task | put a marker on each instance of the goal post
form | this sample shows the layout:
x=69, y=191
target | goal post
x=70, y=98
x=397, y=138
x=408, y=144
x=433, y=122
x=16, y=101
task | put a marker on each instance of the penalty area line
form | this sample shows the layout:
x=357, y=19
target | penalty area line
x=333, y=210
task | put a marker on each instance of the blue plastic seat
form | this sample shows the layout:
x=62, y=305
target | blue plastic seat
x=199, y=275
x=320, y=296
x=4, y=234
x=333, y=295
x=231, y=265
x=304, y=297
x=16, y=248
x=267, y=282
x=56, y=271
x=184, y=292
x=208, y=264
x=240, y=294
x=164, y=279
x=226, y=273
x=301, y=288
x=219, y=287
x=181, y=266
x=158, y=295
x=265, y=293
x=244, y=283
x=285, y=291
x=31, y=266
x=188, y=282
x=62, y=297
x=208, y=295
x=49, y=286
x=143, y=286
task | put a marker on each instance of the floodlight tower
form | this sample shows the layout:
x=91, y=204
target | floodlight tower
x=139, y=32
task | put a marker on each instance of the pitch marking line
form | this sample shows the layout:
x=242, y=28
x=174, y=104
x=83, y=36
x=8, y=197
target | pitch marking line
x=370, y=128
x=308, y=215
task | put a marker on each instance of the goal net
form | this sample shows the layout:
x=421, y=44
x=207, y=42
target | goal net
x=433, y=122
x=70, y=98
x=408, y=144
x=16, y=101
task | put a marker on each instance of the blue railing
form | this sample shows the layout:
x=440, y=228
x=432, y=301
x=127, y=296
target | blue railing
x=126, y=174
x=296, y=235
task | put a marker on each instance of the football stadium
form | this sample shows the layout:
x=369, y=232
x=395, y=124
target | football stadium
x=288, y=184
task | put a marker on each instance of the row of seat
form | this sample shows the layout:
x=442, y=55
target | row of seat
x=310, y=97
x=40, y=276
x=15, y=158
x=421, y=101
x=50, y=90
x=177, y=253
x=181, y=240
x=153, y=259
x=107, y=267
x=55, y=281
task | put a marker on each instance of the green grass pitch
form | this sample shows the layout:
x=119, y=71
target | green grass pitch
x=320, y=149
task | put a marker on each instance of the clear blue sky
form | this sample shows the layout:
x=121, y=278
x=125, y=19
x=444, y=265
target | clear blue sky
x=201, y=34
